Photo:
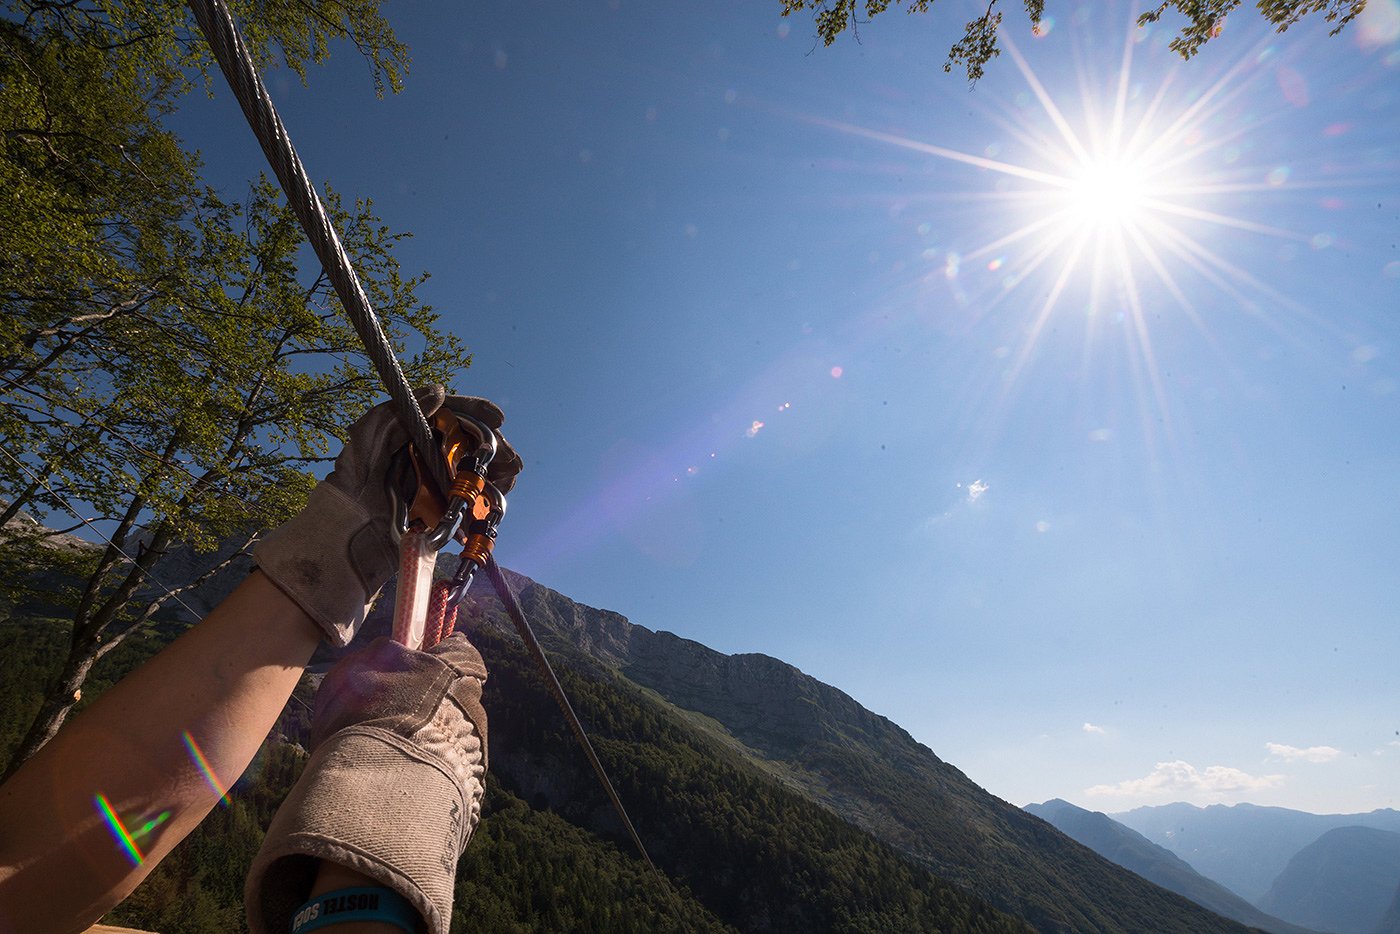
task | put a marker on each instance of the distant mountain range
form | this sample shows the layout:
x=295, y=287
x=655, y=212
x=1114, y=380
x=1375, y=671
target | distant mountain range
x=1343, y=879
x=1390, y=922
x=1244, y=847
x=1133, y=851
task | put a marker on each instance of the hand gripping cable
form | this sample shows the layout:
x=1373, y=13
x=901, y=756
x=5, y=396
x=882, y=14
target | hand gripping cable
x=237, y=66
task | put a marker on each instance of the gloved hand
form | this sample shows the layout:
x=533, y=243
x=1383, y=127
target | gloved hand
x=333, y=556
x=393, y=787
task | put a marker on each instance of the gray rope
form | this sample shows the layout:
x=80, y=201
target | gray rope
x=237, y=65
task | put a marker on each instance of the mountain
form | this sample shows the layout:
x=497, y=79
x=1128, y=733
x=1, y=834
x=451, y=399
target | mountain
x=819, y=742
x=1243, y=846
x=770, y=801
x=1134, y=852
x=1390, y=924
x=1344, y=881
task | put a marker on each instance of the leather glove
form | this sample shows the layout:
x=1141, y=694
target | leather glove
x=334, y=556
x=393, y=787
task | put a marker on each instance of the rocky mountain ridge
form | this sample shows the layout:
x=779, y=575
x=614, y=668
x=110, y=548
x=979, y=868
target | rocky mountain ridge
x=821, y=742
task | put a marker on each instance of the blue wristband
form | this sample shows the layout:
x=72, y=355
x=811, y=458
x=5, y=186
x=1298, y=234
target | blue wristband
x=368, y=903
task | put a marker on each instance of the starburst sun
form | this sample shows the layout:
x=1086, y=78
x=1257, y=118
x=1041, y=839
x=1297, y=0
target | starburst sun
x=1110, y=192
x=1110, y=207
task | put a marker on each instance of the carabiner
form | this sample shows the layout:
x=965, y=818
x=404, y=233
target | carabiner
x=468, y=484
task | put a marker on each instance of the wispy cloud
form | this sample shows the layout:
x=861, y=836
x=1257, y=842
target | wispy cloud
x=1180, y=779
x=1294, y=753
x=975, y=489
x=1093, y=728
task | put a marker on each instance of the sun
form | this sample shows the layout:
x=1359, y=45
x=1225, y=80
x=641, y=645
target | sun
x=1110, y=204
x=1109, y=193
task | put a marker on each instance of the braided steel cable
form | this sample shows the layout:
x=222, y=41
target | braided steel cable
x=237, y=65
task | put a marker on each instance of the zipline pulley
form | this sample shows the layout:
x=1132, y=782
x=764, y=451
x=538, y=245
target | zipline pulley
x=427, y=520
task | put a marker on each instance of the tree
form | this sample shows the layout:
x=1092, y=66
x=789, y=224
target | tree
x=167, y=361
x=1203, y=22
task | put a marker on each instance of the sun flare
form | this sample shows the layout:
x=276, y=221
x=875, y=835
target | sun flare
x=1109, y=192
x=1106, y=204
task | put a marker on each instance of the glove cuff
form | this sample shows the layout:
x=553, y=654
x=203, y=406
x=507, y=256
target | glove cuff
x=359, y=791
x=330, y=560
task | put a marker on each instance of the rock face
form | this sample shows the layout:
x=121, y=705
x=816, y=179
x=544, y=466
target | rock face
x=819, y=741
x=1344, y=881
x=770, y=705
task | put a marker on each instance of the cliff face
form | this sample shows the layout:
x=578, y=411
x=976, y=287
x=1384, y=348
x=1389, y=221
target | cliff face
x=820, y=742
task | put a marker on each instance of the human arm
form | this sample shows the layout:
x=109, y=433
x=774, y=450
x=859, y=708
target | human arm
x=218, y=688
x=85, y=820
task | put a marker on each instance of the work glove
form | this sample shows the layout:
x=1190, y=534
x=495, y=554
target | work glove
x=393, y=787
x=334, y=556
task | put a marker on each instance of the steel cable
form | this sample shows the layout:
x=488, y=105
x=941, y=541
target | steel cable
x=237, y=65
x=517, y=615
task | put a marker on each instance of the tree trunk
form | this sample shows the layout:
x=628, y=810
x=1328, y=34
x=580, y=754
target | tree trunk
x=14, y=506
x=58, y=703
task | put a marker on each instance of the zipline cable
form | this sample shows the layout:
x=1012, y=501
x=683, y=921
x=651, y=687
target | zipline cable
x=517, y=615
x=237, y=65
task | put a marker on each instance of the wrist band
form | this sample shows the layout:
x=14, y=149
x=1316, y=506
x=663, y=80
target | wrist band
x=366, y=903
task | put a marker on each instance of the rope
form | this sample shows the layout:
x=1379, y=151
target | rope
x=237, y=65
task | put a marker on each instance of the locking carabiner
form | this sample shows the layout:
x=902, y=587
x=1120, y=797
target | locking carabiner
x=424, y=524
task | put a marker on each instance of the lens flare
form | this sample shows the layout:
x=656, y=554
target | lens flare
x=205, y=769
x=126, y=838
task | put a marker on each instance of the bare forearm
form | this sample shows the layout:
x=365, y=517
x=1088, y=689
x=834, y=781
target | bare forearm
x=84, y=821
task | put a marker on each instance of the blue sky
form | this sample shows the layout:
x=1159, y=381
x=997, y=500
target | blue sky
x=1086, y=477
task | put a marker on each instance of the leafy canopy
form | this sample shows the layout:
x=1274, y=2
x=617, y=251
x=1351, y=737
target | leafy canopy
x=1203, y=20
x=171, y=365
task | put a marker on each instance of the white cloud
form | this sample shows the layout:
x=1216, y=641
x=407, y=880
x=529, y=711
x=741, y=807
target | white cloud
x=1311, y=754
x=975, y=489
x=1183, y=780
x=1093, y=728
